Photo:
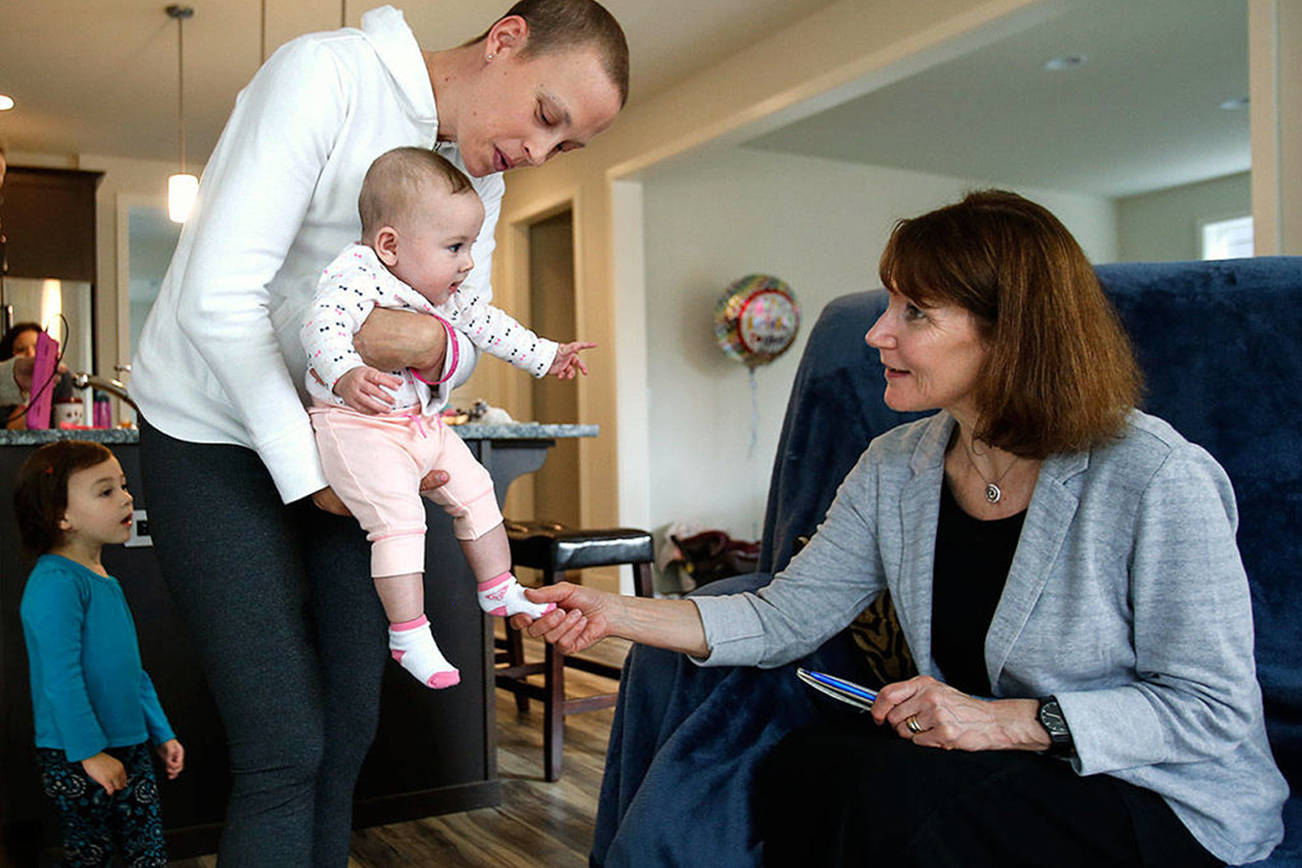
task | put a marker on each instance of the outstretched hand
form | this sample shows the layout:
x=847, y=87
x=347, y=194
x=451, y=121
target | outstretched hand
x=582, y=617
x=366, y=389
x=567, y=365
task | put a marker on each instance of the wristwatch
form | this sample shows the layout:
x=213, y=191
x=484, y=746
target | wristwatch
x=1050, y=717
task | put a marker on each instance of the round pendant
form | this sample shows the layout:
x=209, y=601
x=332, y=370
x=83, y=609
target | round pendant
x=993, y=493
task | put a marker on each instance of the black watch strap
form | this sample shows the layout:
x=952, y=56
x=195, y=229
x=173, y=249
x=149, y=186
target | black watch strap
x=1051, y=718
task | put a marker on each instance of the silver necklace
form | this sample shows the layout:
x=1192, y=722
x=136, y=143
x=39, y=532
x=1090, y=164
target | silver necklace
x=993, y=491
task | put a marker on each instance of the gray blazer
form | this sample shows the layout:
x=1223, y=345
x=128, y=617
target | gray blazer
x=1126, y=599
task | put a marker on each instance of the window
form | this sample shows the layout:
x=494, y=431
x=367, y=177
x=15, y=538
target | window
x=1228, y=239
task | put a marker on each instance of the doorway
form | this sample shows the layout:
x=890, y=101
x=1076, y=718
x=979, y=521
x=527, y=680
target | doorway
x=552, y=313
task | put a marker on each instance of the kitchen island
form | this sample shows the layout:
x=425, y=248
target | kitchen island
x=454, y=767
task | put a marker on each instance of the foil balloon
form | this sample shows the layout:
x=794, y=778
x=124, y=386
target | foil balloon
x=756, y=319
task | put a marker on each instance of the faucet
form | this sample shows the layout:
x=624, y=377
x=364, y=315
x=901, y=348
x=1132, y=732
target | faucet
x=114, y=387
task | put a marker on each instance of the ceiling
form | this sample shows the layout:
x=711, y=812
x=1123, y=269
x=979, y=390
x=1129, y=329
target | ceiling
x=101, y=77
x=1141, y=114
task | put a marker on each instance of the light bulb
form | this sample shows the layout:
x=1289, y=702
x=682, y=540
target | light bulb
x=51, y=304
x=181, y=190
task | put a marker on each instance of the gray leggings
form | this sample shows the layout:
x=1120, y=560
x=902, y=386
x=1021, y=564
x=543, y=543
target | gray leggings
x=291, y=636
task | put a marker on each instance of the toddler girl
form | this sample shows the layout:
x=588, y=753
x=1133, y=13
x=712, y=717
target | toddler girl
x=379, y=433
x=94, y=708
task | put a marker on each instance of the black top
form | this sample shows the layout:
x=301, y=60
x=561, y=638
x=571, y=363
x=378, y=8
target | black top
x=972, y=561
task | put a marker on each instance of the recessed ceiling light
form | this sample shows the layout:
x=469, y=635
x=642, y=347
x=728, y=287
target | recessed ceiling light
x=1065, y=61
x=1238, y=102
x=6, y=102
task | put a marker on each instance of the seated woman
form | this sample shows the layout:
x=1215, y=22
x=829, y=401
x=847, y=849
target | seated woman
x=1064, y=569
x=19, y=342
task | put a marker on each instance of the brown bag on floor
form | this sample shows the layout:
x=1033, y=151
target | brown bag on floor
x=712, y=555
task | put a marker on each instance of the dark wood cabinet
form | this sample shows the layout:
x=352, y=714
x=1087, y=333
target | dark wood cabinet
x=49, y=222
x=48, y=217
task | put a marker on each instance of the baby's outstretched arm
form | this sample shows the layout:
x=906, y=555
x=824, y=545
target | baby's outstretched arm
x=365, y=389
x=567, y=365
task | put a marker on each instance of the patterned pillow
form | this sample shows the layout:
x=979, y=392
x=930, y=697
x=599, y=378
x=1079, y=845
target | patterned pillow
x=876, y=633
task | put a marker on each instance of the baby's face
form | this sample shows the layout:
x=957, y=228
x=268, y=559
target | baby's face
x=434, y=245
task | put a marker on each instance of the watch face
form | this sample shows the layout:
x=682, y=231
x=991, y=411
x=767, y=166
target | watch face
x=1052, y=719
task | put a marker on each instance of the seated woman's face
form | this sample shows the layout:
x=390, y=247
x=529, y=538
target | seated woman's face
x=25, y=344
x=933, y=356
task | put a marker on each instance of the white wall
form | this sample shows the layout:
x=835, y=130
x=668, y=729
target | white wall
x=1165, y=225
x=817, y=224
x=843, y=50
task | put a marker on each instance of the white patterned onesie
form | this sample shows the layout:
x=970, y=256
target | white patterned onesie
x=356, y=282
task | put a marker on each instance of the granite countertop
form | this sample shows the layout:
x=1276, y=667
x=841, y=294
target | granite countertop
x=469, y=431
x=98, y=435
x=524, y=431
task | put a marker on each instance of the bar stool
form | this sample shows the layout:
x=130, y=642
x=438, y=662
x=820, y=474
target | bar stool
x=554, y=549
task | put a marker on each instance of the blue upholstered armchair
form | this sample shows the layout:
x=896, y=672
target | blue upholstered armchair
x=1220, y=344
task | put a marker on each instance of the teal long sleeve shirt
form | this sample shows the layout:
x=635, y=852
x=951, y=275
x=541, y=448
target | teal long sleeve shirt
x=89, y=689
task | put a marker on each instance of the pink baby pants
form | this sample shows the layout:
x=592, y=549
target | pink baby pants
x=375, y=465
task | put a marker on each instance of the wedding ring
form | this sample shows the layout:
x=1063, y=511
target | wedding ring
x=912, y=724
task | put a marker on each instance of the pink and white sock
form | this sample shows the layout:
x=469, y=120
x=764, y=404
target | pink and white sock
x=504, y=596
x=412, y=644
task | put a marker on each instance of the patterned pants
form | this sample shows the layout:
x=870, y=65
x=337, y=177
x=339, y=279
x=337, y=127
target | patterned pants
x=93, y=822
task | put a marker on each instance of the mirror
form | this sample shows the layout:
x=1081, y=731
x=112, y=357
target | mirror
x=151, y=238
x=62, y=308
x=146, y=239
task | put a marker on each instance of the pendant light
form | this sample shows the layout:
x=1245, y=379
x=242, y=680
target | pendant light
x=181, y=187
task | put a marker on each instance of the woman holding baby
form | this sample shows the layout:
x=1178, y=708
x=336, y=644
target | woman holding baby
x=266, y=567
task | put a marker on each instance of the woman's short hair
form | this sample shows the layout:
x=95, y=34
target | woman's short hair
x=41, y=494
x=1060, y=375
x=11, y=337
x=557, y=25
x=398, y=182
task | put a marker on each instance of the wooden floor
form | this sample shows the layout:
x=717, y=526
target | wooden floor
x=537, y=823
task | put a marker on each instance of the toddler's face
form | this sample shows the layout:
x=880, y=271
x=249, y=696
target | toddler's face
x=434, y=247
x=99, y=506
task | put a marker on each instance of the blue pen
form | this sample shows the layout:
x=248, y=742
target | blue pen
x=838, y=688
x=847, y=686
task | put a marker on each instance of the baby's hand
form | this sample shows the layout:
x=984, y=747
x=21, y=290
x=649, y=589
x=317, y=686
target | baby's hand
x=567, y=364
x=363, y=389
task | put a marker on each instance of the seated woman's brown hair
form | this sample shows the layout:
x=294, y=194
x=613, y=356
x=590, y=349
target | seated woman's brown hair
x=1060, y=375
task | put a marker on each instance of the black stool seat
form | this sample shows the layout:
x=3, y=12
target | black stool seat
x=555, y=549
x=548, y=546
